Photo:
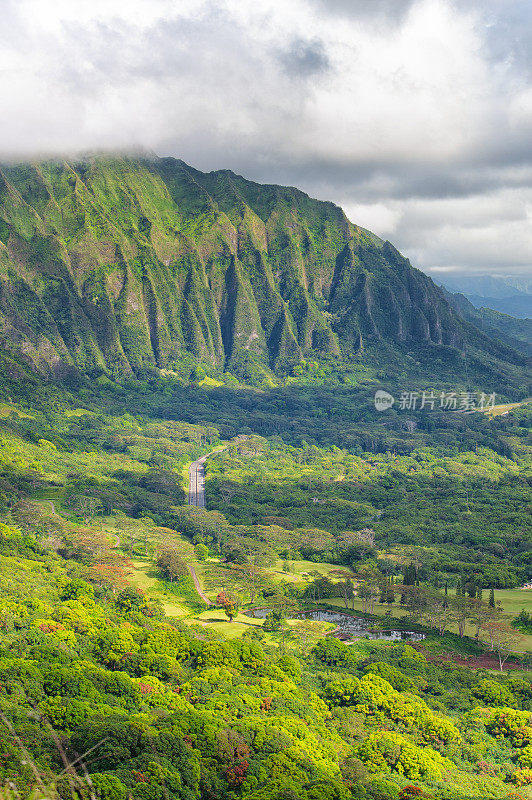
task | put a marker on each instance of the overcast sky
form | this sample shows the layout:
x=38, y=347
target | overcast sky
x=414, y=115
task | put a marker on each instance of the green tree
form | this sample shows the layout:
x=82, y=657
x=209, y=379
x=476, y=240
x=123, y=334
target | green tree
x=171, y=565
x=201, y=551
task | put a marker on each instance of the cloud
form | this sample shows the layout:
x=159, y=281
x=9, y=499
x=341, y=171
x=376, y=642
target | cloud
x=491, y=233
x=415, y=115
x=377, y=11
x=304, y=58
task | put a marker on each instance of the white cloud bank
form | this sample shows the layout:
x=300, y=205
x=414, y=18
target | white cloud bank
x=415, y=115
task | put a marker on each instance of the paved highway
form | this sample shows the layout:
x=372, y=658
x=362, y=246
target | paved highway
x=196, y=483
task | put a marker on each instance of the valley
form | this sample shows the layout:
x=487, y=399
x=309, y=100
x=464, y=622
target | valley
x=188, y=433
x=265, y=400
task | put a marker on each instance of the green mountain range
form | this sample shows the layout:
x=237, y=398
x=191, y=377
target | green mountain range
x=117, y=265
x=513, y=331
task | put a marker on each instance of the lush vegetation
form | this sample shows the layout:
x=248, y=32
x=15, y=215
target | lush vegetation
x=102, y=694
x=172, y=314
x=140, y=706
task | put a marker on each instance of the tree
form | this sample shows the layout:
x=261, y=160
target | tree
x=320, y=588
x=272, y=621
x=252, y=579
x=410, y=574
x=84, y=506
x=281, y=603
x=147, y=527
x=131, y=600
x=230, y=610
x=229, y=602
x=76, y=589
x=201, y=551
x=368, y=591
x=346, y=586
x=418, y=601
x=480, y=613
x=387, y=593
x=504, y=639
x=462, y=607
x=306, y=633
x=439, y=612
x=126, y=528
x=492, y=598
x=171, y=565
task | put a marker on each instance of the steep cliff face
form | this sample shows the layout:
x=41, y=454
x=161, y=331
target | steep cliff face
x=117, y=264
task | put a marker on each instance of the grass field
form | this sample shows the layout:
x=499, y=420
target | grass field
x=513, y=600
x=215, y=619
x=303, y=570
x=498, y=411
x=143, y=576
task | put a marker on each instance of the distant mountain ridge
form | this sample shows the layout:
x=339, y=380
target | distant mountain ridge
x=517, y=305
x=514, y=332
x=488, y=285
x=115, y=265
x=511, y=295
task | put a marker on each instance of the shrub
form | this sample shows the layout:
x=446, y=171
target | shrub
x=65, y=714
x=114, y=645
x=108, y=787
x=511, y=724
x=522, y=777
x=493, y=693
x=333, y=652
x=343, y=692
x=386, y=750
x=201, y=551
x=374, y=695
x=525, y=757
x=290, y=666
x=394, y=676
x=383, y=790
x=76, y=589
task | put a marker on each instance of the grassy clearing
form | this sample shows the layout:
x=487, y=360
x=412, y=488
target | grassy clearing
x=214, y=619
x=6, y=409
x=56, y=494
x=144, y=577
x=210, y=382
x=78, y=412
x=214, y=575
x=176, y=603
x=301, y=571
x=513, y=600
x=504, y=408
